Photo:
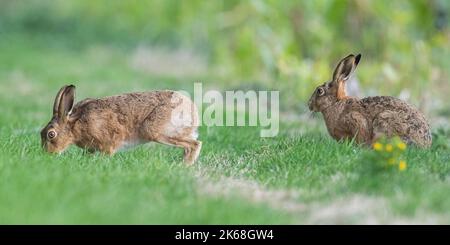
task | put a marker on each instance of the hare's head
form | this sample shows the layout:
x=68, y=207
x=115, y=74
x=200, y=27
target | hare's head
x=57, y=135
x=328, y=93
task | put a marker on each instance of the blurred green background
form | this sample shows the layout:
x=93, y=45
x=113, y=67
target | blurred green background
x=290, y=46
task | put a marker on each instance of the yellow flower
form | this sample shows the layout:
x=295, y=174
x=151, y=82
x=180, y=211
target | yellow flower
x=389, y=147
x=391, y=161
x=402, y=166
x=378, y=146
x=401, y=146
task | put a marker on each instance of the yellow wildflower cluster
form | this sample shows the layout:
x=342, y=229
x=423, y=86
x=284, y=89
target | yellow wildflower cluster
x=390, y=152
x=402, y=165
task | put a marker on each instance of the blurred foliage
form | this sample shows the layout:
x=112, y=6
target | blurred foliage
x=388, y=155
x=288, y=45
x=441, y=139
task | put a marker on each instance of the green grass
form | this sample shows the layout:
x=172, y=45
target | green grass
x=303, y=167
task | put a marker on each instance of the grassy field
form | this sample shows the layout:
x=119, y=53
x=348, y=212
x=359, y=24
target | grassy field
x=300, y=177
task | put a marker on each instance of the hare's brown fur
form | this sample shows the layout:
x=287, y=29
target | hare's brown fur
x=370, y=118
x=112, y=123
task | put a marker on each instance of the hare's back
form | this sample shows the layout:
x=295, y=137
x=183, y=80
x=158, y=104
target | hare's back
x=129, y=108
x=139, y=101
x=398, y=117
x=377, y=104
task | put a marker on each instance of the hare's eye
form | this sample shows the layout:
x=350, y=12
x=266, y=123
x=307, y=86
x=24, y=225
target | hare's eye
x=320, y=91
x=51, y=134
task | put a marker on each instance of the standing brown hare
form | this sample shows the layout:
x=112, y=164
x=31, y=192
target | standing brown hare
x=368, y=119
x=112, y=123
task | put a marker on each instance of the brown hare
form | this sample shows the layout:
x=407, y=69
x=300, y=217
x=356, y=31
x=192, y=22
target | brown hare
x=368, y=119
x=112, y=123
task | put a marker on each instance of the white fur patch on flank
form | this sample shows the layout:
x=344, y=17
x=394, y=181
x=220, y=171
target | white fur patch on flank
x=195, y=134
x=179, y=121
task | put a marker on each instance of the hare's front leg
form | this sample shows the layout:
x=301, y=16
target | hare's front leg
x=358, y=127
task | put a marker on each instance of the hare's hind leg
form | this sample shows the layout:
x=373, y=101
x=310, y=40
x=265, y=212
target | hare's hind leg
x=195, y=152
x=193, y=149
x=191, y=146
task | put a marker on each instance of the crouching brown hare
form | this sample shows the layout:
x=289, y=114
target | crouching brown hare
x=111, y=123
x=367, y=119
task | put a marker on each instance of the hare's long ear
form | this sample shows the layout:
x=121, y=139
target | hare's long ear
x=64, y=102
x=345, y=68
x=343, y=71
x=57, y=100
